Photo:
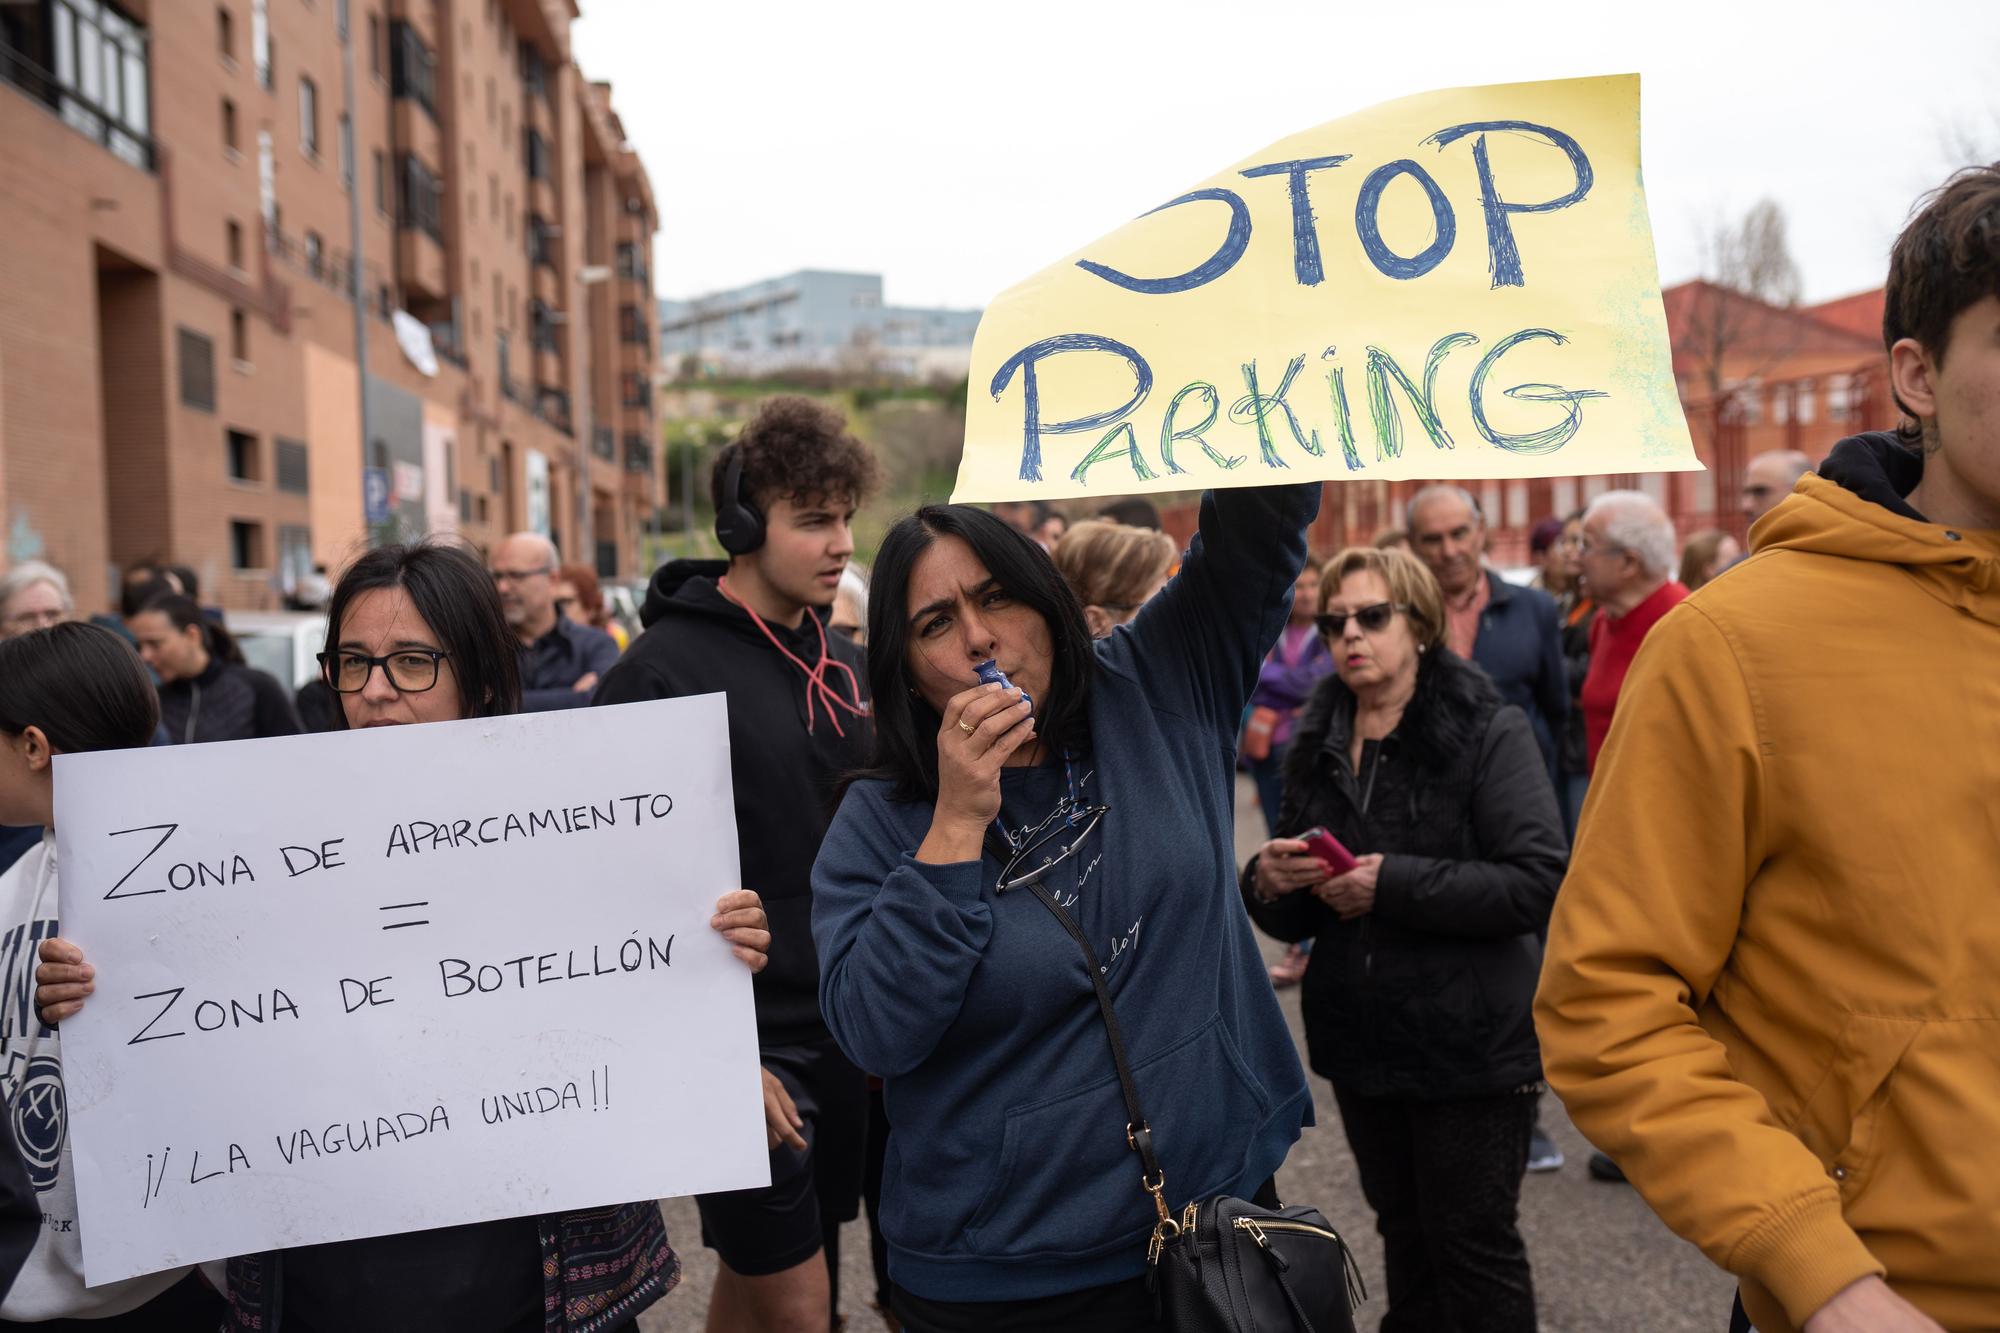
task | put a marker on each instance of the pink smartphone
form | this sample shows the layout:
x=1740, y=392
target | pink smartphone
x=1337, y=859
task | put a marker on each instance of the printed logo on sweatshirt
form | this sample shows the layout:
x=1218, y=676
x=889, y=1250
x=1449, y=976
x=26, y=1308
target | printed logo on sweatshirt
x=38, y=1114
x=31, y=1083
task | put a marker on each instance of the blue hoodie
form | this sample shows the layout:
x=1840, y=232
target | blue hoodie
x=1008, y=1176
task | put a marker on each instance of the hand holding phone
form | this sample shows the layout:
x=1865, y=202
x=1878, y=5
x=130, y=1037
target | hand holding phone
x=1327, y=849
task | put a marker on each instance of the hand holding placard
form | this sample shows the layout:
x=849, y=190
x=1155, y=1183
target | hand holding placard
x=373, y=982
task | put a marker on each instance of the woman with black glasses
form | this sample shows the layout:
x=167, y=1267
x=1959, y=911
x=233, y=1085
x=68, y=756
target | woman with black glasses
x=1418, y=997
x=416, y=634
x=1101, y=775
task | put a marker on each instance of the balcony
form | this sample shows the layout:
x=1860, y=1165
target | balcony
x=548, y=366
x=638, y=455
x=412, y=68
x=632, y=266
x=552, y=406
x=420, y=261
x=541, y=243
x=105, y=99
x=415, y=132
x=604, y=444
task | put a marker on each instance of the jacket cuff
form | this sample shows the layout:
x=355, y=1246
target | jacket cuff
x=1391, y=889
x=957, y=882
x=1806, y=1256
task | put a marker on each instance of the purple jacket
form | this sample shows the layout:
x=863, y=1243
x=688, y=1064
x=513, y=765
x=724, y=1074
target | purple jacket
x=1285, y=687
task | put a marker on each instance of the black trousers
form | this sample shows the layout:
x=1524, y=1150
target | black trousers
x=1444, y=1179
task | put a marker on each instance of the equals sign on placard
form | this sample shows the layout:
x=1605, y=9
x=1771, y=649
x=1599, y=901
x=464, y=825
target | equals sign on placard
x=406, y=907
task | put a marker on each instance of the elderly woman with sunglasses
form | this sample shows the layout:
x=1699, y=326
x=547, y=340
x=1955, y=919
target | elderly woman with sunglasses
x=1418, y=998
x=1098, y=784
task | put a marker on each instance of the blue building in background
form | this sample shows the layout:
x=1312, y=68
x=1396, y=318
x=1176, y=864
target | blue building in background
x=813, y=319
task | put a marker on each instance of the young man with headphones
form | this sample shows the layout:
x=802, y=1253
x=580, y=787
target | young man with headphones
x=755, y=629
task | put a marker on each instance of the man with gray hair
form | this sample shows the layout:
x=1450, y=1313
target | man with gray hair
x=561, y=660
x=33, y=596
x=1627, y=568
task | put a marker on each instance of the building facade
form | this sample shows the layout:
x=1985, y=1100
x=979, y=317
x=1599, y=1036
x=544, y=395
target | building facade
x=817, y=320
x=194, y=190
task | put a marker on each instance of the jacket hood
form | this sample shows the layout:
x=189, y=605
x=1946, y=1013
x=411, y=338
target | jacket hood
x=1855, y=509
x=669, y=584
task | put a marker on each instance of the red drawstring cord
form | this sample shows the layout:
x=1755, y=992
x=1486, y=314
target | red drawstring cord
x=816, y=684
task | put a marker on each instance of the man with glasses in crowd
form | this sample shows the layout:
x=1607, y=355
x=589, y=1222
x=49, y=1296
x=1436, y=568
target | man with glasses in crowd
x=561, y=660
x=1627, y=562
x=1510, y=632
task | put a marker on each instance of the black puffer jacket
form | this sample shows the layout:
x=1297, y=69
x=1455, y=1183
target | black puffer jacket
x=1430, y=994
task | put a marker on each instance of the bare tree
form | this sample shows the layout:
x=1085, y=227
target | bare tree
x=1748, y=276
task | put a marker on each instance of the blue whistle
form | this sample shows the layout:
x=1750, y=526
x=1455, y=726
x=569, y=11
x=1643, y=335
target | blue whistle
x=990, y=673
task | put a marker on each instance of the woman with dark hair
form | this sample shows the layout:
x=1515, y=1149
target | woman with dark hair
x=416, y=634
x=1418, y=997
x=68, y=689
x=1103, y=775
x=206, y=691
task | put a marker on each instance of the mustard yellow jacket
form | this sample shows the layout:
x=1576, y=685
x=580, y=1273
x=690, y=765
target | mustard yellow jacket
x=1772, y=986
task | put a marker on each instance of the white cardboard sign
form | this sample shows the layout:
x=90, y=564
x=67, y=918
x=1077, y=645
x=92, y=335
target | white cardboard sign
x=372, y=982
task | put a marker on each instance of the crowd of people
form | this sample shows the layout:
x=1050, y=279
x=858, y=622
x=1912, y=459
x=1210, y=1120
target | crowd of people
x=1695, y=834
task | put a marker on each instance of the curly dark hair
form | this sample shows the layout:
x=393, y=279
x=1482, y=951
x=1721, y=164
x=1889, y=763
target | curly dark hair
x=796, y=449
x=1947, y=258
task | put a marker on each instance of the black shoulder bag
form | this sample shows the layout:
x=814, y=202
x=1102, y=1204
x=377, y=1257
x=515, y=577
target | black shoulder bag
x=1225, y=1265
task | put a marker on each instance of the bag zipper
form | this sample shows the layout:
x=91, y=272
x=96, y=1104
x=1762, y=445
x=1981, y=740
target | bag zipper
x=1257, y=1226
x=1357, y=1290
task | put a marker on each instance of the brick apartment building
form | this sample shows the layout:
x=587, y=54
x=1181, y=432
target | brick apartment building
x=186, y=185
x=1752, y=377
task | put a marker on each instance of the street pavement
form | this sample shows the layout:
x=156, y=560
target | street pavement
x=1603, y=1262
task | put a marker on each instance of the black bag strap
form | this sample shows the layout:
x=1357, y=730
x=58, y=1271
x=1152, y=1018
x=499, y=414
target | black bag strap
x=1138, y=1134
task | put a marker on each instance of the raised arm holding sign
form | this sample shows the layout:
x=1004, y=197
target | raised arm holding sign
x=1454, y=285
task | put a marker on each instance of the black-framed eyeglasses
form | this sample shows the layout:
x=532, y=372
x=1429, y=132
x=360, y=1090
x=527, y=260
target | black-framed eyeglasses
x=518, y=575
x=1374, y=619
x=1066, y=821
x=409, y=670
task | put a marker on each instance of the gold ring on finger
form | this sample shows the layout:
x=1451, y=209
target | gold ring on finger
x=965, y=727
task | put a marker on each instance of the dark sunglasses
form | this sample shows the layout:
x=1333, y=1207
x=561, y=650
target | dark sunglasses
x=1374, y=619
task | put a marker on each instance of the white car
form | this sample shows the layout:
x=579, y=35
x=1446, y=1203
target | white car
x=284, y=643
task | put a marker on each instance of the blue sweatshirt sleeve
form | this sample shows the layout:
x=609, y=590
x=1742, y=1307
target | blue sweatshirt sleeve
x=898, y=939
x=1199, y=644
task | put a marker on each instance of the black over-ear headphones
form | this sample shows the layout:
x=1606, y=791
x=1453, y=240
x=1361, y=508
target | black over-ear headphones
x=738, y=525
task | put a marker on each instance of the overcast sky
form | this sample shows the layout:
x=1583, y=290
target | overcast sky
x=956, y=148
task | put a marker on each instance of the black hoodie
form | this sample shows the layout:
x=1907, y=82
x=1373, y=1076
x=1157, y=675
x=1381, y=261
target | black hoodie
x=699, y=642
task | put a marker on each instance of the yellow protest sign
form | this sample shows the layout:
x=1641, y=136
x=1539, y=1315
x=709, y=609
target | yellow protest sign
x=1459, y=284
